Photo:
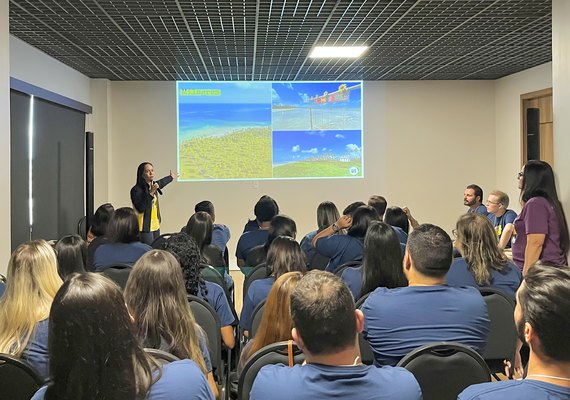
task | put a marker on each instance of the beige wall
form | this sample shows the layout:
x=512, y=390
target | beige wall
x=4, y=135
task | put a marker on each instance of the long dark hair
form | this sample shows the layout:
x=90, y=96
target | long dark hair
x=382, y=259
x=538, y=181
x=396, y=216
x=200, y=227
x=71, y=255
x=280, y=225
x=123, y=226
x=93, y=349
x=327, y=214
x=361, y=219
x=140, y=171
x=285, y=255
x=101, y=219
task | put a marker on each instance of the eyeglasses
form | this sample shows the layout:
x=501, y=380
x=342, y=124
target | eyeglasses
x=519, y=175
x=492, y=202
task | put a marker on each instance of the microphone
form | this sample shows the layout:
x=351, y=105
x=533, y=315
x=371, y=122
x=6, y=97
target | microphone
x=158, y=190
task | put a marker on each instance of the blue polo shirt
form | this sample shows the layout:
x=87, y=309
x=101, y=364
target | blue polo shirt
x=340, y=249
x=218, y=300
x=316, y=381
x=36, y=351
x=307, y=246
x=397, y=321
x=256, y=293
x=481, y=209
x=353, y=279
x=507, y=282
x=499, y=223
x=110, y=254
x=526, y=389
x=248, y=241
x=220, y=236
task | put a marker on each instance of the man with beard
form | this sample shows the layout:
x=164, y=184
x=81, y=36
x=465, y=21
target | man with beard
x=472, y=198
x=542, y=316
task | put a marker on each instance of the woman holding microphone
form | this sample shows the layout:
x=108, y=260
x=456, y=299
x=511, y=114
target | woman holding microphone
x=144, y=196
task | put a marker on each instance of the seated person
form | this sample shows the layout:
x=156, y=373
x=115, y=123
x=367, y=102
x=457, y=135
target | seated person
x=398, y=219
x=265, y=210
x=501, y=217
x=156, y=298
x=31, y=284
x=382, y=262
x=188, y=254
x=542, y=316
x=326, y=328
x=98, y=231
x=400, y=320
x=473, y=198
x=327, y=214
x=276, y=323
x=71, y=255
x=94, y=353
x=482, y=263
x=284, y=255
x=344, y=248
x=378, y=203
x=220, y=233
x=253, y=224
x=123, y=246
x=280, y=225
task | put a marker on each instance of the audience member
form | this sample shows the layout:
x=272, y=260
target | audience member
x=482, y=262
x=220, y=233
x=94, y=353
x=265, y=209
x=188, y=254
x=541, y=227
x=71, y=255
x=31, y=284
x=200, y=227
x=501, y=217
x=413, y=222
x=399, y=320
x=276, y=323
x=284, y=256
x=378, y=203
x=382, y=262
x=343, y=248
x=280, y=225
x=352, y=207
x=542, y=316
x=397, y=218
x=473, y=198
x=326, y=328
x=156, y=298
x=254, y=224
x=99, y=231
x=123, y=246
x=327, y=214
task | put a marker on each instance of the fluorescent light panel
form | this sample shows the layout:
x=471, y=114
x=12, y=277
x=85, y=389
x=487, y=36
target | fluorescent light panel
x=337, y=51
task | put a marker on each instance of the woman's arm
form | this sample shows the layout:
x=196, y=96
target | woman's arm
x=533, y=249
x=506, y=236
x=212, y=383
x=228, y=336
x=343, y=222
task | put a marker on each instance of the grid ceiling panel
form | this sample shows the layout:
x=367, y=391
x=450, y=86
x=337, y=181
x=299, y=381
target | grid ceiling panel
x=268, y=40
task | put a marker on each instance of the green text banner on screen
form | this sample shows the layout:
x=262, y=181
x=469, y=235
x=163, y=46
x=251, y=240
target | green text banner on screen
x=269, y=130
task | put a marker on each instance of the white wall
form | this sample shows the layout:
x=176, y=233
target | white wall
x=4, y=135
x=424, y=142
x=508, y=92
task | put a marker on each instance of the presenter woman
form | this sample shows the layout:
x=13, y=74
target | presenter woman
x=144, y=196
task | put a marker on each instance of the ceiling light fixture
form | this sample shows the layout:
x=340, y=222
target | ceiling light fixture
x=337, y=51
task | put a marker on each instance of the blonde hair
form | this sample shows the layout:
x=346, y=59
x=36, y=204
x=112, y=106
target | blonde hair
x=31, y=285
x=501, y=196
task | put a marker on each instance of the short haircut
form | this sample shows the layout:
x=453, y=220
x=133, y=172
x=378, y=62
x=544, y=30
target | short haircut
x=123, y=226
x=352, y=207
x=477, y=189
x=501, y=196
x=206, y=206
x=265, y=209
x=379, y=203
x=431, y=250
x=545, y=304
x=323, y=312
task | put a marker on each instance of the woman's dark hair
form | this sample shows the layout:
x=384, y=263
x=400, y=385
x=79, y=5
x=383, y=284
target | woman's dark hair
x=352, y=207
x=93, y=349
x=71, y=255
x=123, y=226
x=327, y=214
x=382, y=259
x=200, y=228
x=395, y=216
x=187, y=252
x=285, y=255
x=538, y=181
x=101, y=219
x=361, y=219
x=140, y=171
x=280, y=225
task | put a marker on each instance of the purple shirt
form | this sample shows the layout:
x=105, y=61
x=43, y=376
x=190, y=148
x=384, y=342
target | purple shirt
x=538, y=216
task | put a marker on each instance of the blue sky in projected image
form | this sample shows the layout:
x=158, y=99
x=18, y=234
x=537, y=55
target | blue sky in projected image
x=290, y=146
x=298, y=93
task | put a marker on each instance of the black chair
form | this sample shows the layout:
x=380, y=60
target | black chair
x=18, y=380
x=161, y=356
x=158, y=243
x=502, y=339
x=256, y=316
x=281, y=352
x=445, y=369
x=366, y=353
x=351, y=264
x=118, y=273
x=211, y=274
x=318, y=261
x=260, y=272
x=208, y=319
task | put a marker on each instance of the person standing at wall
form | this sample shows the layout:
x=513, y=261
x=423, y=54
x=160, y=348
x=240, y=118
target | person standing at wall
x=144, y=196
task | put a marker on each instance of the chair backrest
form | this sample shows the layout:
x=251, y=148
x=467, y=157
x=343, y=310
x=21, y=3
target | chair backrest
x=18, y=380
x=445, y=369
x=340, y=269
x=159, y=241
x=272, y=354
x=260, y=272
x=366, y=353
x=161, y=356
x=502, y=339
x=319, y=262
x=256, y=316
x=2, y=278
x=208, y=319
x=119, y=274
x=82, y=227
x=211, y=274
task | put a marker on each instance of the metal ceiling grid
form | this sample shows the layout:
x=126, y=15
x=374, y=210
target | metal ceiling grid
x=271, y=39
